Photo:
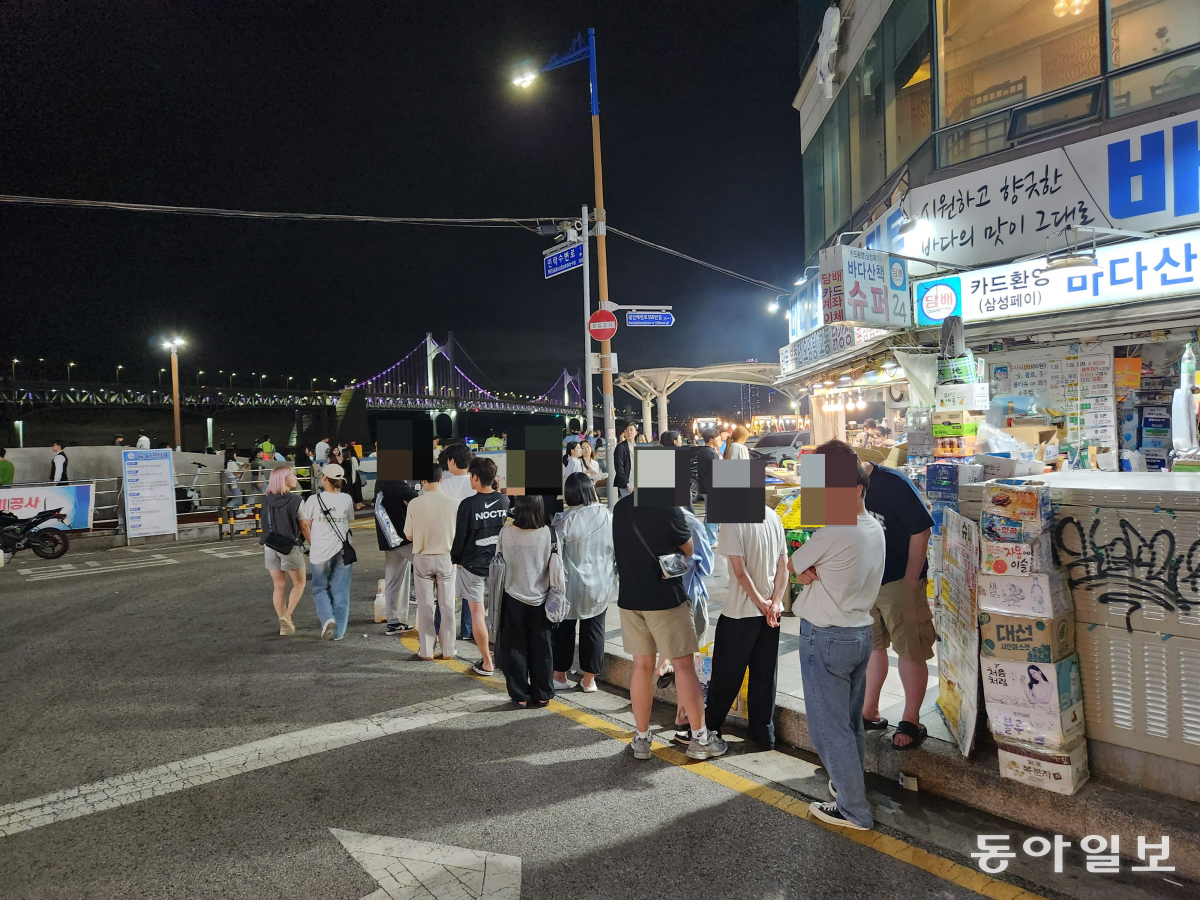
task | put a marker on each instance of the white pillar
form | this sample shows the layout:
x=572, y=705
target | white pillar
x=647, y=417
x=662, y=413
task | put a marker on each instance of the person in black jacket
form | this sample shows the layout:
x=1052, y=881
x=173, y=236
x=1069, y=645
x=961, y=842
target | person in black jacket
x=397, y=568
x=480, y=518
x=622, y=460
x=704, y=473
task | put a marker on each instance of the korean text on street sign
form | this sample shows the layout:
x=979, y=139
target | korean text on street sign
x=658, y=319
x=149, y=492
x=602, y=325
x=561, y=259
x=863, y=287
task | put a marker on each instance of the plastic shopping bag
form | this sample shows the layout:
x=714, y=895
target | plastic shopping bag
x=380, y=604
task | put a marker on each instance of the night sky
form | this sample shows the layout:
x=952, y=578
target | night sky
x=390, y=109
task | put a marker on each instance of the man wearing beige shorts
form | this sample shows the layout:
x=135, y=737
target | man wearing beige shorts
x=901, y=615
x=656, y=619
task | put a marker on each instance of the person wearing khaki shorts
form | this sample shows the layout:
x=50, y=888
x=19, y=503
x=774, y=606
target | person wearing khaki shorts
x=668, y=633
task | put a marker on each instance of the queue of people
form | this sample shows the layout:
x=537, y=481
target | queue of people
x=441, y=544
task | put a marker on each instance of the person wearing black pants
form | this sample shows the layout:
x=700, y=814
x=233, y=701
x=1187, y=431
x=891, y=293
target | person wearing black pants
x=591, y=644
x=748, y=629
x=741, y=644
x=528, y=652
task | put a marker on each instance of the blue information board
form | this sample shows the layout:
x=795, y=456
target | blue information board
x=655, y=319
x=563, y=259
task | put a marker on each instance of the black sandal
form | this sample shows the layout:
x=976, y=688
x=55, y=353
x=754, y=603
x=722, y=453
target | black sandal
x=875, y=724
x=915, y=734
x=666, y=680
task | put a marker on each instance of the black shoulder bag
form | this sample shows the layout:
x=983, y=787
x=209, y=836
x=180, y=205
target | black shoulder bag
x=349, y=557
x=280, y=543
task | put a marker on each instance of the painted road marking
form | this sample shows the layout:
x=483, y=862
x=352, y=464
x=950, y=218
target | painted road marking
x=946, y=869
x=407, y=869
x=47, y=573
x=215, y=553
x=120, y=790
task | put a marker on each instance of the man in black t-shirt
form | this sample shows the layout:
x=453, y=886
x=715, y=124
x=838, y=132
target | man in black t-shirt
x=901, y=615
x=656, y=619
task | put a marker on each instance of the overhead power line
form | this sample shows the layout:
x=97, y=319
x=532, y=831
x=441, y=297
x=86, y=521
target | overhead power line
x=528, y=223
x=746, y=278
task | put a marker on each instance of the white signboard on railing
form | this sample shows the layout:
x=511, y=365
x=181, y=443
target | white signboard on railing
x=149, y=492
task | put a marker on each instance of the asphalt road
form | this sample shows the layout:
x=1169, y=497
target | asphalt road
x=157, y=661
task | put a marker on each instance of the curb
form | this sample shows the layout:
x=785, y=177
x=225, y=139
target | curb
x=1099, y=807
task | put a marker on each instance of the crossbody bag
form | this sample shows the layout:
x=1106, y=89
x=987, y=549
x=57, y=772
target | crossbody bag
x=349, y=557
x=280, y=543
x=672, y=565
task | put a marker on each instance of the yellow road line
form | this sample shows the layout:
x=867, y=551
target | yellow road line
x=946, y=869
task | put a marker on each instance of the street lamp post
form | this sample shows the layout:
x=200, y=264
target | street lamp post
x=578, y=52
x=173, y=345
x=42, y=368
x=14, y=368
x=199, y=372
x=289, y=382
x=70, y=366
x=261, y=379
x=231, y=375
x=312, y=384
x=118, y=374
x=160, y=371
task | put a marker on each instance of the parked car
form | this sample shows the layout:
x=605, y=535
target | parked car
x=781, y=445
x=693, y=467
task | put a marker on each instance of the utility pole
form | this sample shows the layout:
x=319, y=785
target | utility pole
x=587, y=314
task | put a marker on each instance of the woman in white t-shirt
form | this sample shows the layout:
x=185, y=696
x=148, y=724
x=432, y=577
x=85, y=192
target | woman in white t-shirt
x=572, y=460
x=325, y=519
x=591, y=466
x=735, y=447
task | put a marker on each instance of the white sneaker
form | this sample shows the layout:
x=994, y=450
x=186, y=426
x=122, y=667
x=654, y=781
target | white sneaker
x=327, y=630
x=561, y=685
x=588, y=688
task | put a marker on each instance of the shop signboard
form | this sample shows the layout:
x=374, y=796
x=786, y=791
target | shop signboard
x=1145, y=178
x=804, y=311
x=938, y=299
x=1153, y=269
x=77, y=501
x=824, y=342
x=863, y=287
x=149, y=492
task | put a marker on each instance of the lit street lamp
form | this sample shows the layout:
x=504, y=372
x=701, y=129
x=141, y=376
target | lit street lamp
x=14, y=368
x=312, y=384
x=578, y=52
x=118, y=378
x=261, y=379
x=160, y=371
x=173, y=345
x=42, y=365
x=289, y=382
x=231, y=376
x=70, y=366
x=198, y=374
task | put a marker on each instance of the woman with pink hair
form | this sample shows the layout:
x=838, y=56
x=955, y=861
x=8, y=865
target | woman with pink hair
x=280, y=519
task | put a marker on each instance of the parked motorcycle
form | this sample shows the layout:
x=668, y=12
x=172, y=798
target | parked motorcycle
x=18, y=534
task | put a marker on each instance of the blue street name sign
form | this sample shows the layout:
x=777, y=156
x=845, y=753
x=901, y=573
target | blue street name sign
x=659, y=319
x=562, y=259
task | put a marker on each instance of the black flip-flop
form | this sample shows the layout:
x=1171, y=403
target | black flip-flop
x=665, y=681
x=915, y=733
x=875, y=724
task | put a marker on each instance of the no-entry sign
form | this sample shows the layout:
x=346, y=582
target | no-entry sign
x=602, y=325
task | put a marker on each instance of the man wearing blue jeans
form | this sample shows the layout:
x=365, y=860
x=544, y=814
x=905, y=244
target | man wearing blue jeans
x=841, y=568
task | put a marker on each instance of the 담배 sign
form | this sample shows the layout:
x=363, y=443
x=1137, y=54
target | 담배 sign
x=563, y=258
x=937, y=300
x=149, y=492
x=864, y=287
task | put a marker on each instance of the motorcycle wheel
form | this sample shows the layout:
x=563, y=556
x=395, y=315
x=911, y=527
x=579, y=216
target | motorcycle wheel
x=49, y=544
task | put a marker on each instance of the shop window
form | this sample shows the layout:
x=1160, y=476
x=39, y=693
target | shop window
x=813, y=164
x=835, y=137
x=1151, y=85
x=994, y=54
x=1055, y=113
x=865, y=95
x=1141, y=30
x=981, y=137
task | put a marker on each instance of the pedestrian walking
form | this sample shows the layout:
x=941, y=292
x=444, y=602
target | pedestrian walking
x=325, y=521
x=430, y=526
x=622, y=461
x=524, y=646
x=280, y=515
x=143, y=441
x=705, y=458
x=8, y=472
x=231, y=474
x=590, y=568
x=735, y=447
x=455, y=461
x=58, y=465
x=901, y=616
x=841, y=569
x=394, y=497
x=656, y=619
x=477, y=528
x=748, y=628
x=354, y=479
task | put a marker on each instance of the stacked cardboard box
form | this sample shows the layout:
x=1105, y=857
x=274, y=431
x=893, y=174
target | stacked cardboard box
x=1031, y=685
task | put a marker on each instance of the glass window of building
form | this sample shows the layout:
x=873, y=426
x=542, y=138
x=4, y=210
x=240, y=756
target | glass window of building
x=905, y=36
x=813, y=164
x=866, y=99
x=1145, y=29
x=993, y=54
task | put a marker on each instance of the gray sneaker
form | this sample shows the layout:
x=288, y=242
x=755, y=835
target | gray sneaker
x=641, y=747
x=713, y=747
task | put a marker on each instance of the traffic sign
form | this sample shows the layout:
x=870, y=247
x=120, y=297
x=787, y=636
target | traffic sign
x=602, y=325
x=656, y=319
x=562, y=258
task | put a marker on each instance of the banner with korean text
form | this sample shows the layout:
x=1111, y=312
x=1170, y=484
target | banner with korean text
x=77, y=501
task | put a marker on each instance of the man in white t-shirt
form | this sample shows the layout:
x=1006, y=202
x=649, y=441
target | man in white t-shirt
x=836, y=638
x=748, y=628
x=430, y=525
x=456, y=479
